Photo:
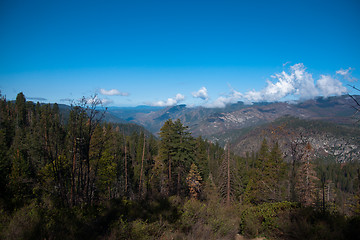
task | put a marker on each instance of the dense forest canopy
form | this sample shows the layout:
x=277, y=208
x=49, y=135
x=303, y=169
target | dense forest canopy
x=86, y=178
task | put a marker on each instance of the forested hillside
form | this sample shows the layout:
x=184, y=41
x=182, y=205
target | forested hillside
x=85, y=178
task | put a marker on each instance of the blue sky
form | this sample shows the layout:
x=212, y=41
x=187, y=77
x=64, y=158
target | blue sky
x=206, y=53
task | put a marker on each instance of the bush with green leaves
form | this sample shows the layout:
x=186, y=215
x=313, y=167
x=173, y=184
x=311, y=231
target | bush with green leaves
x=264, y=219
x=25, y=224
x=211, y=219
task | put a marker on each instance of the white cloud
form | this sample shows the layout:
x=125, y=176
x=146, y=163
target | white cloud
x=106, y=101
x=222, y=101
x=179, y=97
x=343, y=72
x=113, y=92
x=170, y=101
x=253, y=96
x=346, y=73
x=296, y=83
x=96, y=100
x=202, y=93
x=329, y=86
x=284, y=64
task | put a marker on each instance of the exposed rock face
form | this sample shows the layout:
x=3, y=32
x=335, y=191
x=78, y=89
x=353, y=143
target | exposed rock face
x=328, y=140
x=250, y=116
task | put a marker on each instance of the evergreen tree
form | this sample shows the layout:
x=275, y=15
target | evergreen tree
x=20, y=110
x=258, y=189
x=306, y=179
x=276, y=174
x=176, y=151
x=193, y=180
x=266, y=178
x=201, y=157
x=228, y=179
x=166, y=150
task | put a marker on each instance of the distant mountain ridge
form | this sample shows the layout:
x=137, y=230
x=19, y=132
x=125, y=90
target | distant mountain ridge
x=125, y=126
x=209, y=121
x=327, y=123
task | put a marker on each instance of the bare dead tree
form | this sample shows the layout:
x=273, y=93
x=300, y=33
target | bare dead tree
x=84, y=119
x=356, y=107
x=228, y=178
x=142, y=166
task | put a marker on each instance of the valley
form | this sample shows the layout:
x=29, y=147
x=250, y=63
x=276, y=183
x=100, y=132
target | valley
x=328, y=123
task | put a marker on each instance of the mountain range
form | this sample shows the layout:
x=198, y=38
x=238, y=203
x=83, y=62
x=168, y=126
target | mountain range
x=209, y=121
x=329, y=124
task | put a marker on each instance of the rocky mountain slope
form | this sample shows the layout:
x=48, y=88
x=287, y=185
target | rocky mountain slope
x=329, y=140
x=209, y=121
x=328, y=124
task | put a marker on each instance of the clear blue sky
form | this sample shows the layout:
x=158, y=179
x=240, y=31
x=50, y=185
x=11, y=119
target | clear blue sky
x=149, y=51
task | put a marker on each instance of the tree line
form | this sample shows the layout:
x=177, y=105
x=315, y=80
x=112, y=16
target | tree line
x=84, y=161
x=78, y=164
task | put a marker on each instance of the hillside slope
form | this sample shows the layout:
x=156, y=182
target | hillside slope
x=329, y=140
x=209, y=121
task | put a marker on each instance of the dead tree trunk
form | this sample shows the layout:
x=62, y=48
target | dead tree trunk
x=125, y=166
x=142, y=166
x=228, y=189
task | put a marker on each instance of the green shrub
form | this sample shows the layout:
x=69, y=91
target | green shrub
x=25, y=224
x=264, y=219
x=211, y=220
x=309, y=223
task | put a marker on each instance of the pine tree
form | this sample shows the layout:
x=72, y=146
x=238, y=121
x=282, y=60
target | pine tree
x=183, y=146
x=266, y=183
x=166, y=150
x=276, y=173
x=201, y=157
x=5, y=143
x=193, y=180
x=228, y=179
x=176, y=151
x=104, y=164
x=20, y=110
x=258, y=189
x=306, y=179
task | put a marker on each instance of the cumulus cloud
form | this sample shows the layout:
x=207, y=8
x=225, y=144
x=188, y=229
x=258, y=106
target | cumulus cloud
x=113, y=92
x=296, y=83
x=329, y=86
x=170, y=101
x=202, y=93
x=346, y=74
x=222, y=101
